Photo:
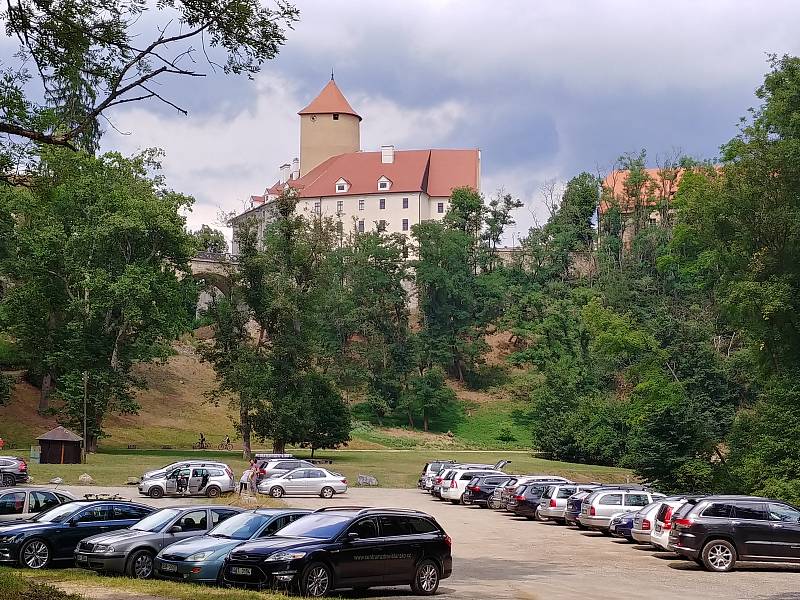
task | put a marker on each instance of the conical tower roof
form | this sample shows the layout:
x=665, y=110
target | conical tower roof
x=330, y=100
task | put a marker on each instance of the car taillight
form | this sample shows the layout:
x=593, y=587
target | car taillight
x=552, y=503
x=681, y=523
x=23, y=466
x=344, y=481
x=438, y=480
x=519, y=498
x=667, y=519
x=474, y=488
x=452, y=483
x=592, y=511
x=448, y=540
x=229, y=472
x=645, y=525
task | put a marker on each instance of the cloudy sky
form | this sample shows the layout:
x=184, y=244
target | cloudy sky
x=545, y=89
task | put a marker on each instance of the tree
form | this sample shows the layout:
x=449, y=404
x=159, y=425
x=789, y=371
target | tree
x=91, y=55
x=429, y=395
x=207, y=239
x=326, y=414
x=100, y=277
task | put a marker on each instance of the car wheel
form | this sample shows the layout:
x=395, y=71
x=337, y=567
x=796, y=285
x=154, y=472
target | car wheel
x=426, y=579
x=327, y=492
x=8, y=480
x=276, y=491
x=316, y=580
x=156, y=492
x=581, y=526
x=35, y=554
x=213, y=491
x=140, y=565
x=719, y=556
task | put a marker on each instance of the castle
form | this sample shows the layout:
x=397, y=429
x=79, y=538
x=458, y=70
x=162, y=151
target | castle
x=389, y=189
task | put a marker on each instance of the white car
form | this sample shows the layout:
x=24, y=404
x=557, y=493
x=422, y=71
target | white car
x=317, y=481
x=455, y=483
x=553, y=502
x=643, y=522
x=663, y=525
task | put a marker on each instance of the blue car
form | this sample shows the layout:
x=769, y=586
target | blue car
x=621, y=526
x=199, y=559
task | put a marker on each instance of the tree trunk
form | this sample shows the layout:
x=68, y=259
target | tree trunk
x=278, y=446
x=44, y=394
x=244, y=427
x=91, y=444
x=425, y=421
x=312, y=451
x=410, y=420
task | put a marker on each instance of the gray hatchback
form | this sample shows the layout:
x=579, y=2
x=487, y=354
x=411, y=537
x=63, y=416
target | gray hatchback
x=131, y=551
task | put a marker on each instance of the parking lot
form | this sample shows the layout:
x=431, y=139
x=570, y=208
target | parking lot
x=499, y=556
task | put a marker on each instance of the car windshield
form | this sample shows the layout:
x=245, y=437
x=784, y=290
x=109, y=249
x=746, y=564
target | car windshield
x=239, y=527
x=319, y=526
x=157, y=520
x=59, y=513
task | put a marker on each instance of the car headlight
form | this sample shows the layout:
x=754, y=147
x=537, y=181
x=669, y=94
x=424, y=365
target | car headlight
x=284, y=556
x=7, y=539
x=197, y=556
x=103, y=548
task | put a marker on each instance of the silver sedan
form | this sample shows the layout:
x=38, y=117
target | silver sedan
x=305, y=481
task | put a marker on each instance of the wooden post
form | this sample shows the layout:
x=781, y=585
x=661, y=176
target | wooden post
x=62, y=452
x=85, y=439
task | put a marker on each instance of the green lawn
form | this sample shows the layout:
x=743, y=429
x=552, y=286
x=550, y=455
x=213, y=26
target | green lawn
x=392, y=468
x=75, y=580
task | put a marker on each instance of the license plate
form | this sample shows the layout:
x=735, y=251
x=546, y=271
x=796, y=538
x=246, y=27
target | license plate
x=168, y=567
x=81, y=558
x=241, y=570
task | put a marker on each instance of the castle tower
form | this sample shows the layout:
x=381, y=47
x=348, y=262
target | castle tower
x=328, y=127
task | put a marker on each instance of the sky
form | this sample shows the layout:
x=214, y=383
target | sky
x=545, y=89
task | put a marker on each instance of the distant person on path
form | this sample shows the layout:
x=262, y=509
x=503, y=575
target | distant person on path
x=202, y=440
x=2, y=443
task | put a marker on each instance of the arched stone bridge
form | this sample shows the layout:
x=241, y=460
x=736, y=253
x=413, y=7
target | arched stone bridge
x=215, y=270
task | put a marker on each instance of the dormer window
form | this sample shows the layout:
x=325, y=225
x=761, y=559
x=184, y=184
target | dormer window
x=335, y=116
x=342, y=185
x=384, y=183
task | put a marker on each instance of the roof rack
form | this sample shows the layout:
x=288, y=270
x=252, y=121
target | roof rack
x=108, y=497
x=268, y=455
x=365, y=509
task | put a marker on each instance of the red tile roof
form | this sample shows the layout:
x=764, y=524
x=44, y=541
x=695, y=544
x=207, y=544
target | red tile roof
x=657, y=188
x=435, y=172
x=330, y=100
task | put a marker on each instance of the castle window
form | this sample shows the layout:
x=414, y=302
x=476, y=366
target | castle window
x=342, y=185
x=361, y=226
x=440, y=208
x=405, y=202
x=384, y=183
x=339, y=206
x=405, y=224
x=318, y=208
x=335, y=116
x=360, y=204
x=382, y=203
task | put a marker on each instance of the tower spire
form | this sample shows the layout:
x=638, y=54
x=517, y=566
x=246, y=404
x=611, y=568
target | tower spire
x=331, y=73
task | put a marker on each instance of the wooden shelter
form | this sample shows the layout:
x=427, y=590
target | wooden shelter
x=60, y=446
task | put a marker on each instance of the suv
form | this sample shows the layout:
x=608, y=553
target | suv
x=603, y=505
x=481, y=488
x=717, y=531
x=429, y=472
x=506, y=499
x=346, y=547
x=196, y=480
x=553, y=503
x=13, y=470
x=455, y=484
x=272, y=467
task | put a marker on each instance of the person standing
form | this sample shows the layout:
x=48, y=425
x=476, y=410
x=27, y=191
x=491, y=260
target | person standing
x=2, y=443
x=244, y=481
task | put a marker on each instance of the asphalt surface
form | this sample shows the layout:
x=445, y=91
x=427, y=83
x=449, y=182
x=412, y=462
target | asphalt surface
x=498, y=556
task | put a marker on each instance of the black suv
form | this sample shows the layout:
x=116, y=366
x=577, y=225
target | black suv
x=347, y=547
x=481, y=487
x=716, y=531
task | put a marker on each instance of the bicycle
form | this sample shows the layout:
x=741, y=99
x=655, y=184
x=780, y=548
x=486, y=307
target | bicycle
x=200, y=446
x=225, y=446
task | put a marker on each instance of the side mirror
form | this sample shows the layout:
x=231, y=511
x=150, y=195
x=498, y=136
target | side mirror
x=289, y=477
x=72, y=523
x=176, y=529
x=352, y=537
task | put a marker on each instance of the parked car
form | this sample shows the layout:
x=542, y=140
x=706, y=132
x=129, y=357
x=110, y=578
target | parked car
x=13, y=470
x=643, y=521
x=553, y=503
x=429, y=472
x=132, y=551
x=663, y=521
x=317, y=481
x=19, y=503
x=200, y=559
x=572, y=512
x=210, y=480
x=525, y=500
x=347, y=548
x=507, y=493
x=621, y=525
x=603, y=505
x=455, y=484
x=272, y=467
x=52, y=535
x=480, y=489
x=182, y=464
x=718, y=531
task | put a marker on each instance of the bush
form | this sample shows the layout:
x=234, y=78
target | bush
x=6, y=386
x=16, y=587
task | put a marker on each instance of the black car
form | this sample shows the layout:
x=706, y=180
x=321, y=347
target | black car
x=347, y=547
x=526, y=499
x=52, y=535
x=480, y=489
x=716, y=531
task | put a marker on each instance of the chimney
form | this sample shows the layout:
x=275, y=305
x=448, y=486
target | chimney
x=387, y=154
x=284, y=172
x=296, y=168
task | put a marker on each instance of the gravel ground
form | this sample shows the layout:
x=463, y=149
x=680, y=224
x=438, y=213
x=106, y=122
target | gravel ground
x=499, y=556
